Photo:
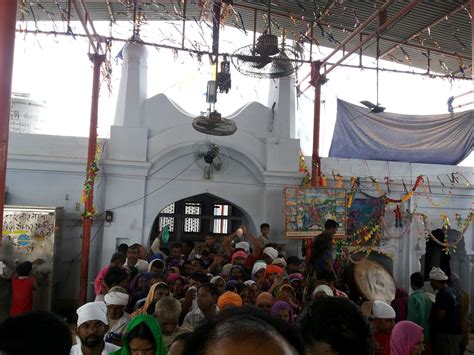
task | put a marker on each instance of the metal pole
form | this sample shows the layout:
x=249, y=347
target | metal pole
x=97, y=60
x=7, y=48
x=316, y=160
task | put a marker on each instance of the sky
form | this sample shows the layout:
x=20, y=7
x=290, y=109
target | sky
x=57, y=70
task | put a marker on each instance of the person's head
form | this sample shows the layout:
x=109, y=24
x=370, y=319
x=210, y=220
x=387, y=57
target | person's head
x=258, y=270
x=417, y=281
x=265, y=229
x=176, y=250
x=237, y=273
x=207, y=296
x=438, y=279
x=407, y=338
x=283, y=311
x=292, y=263
x=322, y=291
x=118, y=259
x=156, y=265
x=269, y=254
x=35, y=332
x=239, y=257
x=229, y=299
x=197, y=279
x=382, y=317
x=161, y=290
x=178, y=344
x=286, y=293
x=252, y=291
x=116, y=276
x=281, y=262
x=335, y=325
x=143, y=337
x=220, y=284
x=262, y=333
x=167, y=312
x=92, y=324
x=265, y=301
x=116, y=300
x=122, y=248
x=24, y=269
x=186, y=268
x=133, y=253
x=331, y=226
x=210, y=240
x=176, y=284
x=273, y=271
x=197, y=265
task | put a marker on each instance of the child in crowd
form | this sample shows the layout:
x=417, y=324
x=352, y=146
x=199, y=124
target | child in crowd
x=23, y=286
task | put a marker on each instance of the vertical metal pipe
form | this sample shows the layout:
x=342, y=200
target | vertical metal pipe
x=7, y=47
x=316, y=160
x=97, y=60
x=216, y=22
x=183, y=32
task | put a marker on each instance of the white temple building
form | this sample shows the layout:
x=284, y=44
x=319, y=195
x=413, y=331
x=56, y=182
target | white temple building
x=148, y=172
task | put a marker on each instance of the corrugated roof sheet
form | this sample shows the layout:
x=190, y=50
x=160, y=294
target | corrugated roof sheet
x=448, y=41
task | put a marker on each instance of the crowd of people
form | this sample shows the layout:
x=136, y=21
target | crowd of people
x=237, y=296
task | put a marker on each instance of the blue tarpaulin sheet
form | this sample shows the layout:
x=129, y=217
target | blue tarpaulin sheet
x=435, y=139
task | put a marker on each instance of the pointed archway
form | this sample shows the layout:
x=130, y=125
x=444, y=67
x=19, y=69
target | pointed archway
x=194, y=217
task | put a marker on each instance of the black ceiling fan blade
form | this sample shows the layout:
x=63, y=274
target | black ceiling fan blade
x=368, y=104
x=378, y=109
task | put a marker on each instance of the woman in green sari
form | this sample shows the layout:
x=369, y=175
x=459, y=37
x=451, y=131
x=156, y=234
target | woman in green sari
x=143, y=337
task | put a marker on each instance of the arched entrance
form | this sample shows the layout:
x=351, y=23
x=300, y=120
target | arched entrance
x=194, y=217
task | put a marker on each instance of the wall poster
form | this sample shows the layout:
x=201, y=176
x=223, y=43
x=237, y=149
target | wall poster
x=306, y=210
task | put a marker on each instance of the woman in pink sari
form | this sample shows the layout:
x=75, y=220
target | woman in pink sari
x=406, y=339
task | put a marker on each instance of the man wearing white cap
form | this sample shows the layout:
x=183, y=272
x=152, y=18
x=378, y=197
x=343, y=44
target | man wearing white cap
x=92, y=325
x=116, y=300
x=446, y=325
x=383, y=320
x=270, y=254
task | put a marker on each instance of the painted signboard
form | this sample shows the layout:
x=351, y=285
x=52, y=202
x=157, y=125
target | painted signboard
x=306, y=210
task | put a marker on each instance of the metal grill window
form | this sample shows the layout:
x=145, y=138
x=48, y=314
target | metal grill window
x=168, y=209
x=167, y=221
x=221, y=225
x=191, y=224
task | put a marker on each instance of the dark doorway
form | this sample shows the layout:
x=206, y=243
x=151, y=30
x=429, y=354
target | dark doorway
x=194, y=217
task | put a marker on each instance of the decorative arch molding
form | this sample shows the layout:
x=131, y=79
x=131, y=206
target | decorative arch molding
x=185, y=149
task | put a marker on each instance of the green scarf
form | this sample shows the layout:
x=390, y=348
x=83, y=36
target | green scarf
x=155, y=329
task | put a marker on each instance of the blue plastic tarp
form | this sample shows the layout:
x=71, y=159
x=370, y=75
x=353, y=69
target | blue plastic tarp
x=435, y=139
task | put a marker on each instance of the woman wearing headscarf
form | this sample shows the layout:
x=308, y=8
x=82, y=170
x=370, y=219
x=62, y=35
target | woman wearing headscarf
x=157, y=291
x=138, y=290
x=143, y=336
x=406, y=339
x=238, y=273
x=400, y=304
x=284, y=311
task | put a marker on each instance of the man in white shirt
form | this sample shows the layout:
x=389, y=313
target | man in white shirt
x=92, y=325
x=133, y=261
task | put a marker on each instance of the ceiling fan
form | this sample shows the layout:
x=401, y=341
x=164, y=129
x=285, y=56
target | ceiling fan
x=375, y=108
